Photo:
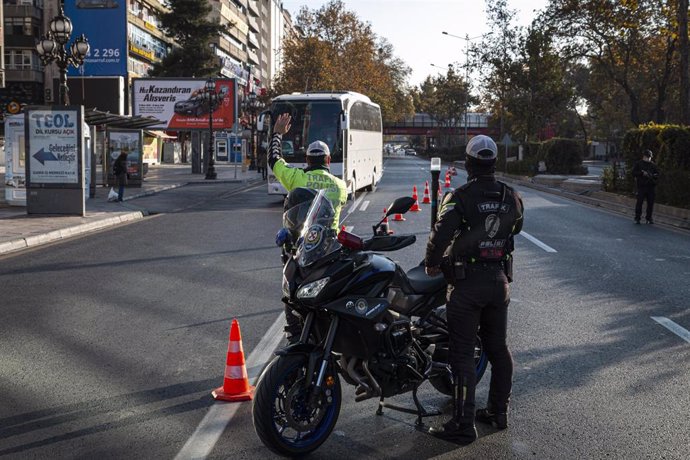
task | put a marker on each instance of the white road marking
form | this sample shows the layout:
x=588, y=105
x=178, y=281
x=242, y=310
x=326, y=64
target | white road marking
x=349, y=228
x=544, y=246
x=677, y=329
x=210, y=429
x=353, y=208
x=364, y=206
x=659, y=260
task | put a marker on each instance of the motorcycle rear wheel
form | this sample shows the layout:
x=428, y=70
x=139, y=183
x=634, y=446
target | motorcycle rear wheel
x=281, y=406
x=442, y=382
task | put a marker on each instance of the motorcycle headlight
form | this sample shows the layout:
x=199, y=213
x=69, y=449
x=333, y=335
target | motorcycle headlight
x=311, y=290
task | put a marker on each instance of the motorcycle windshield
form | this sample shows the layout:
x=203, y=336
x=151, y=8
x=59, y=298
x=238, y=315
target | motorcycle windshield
x=294, y=218
x=318, y=239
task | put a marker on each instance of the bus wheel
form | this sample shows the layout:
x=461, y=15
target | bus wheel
x=352, y=195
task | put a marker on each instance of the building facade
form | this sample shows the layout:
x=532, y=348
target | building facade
x=126, y=40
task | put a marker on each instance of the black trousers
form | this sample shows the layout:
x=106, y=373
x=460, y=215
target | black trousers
x=480, y=301
x=645, y=192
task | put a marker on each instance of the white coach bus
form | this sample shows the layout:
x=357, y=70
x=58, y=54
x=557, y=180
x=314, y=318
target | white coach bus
x=347, y=121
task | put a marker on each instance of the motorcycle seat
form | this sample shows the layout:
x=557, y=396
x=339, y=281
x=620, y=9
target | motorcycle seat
x=422, y=283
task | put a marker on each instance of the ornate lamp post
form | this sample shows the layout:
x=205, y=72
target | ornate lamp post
x=212, y=99
x=52, y=48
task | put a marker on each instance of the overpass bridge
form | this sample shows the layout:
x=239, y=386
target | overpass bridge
x=421, y=124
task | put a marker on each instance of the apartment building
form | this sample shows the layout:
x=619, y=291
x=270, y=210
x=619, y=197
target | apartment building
x=126, y=40
x=23, y=71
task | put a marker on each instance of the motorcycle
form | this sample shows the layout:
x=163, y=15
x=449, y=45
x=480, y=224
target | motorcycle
x=365, y=319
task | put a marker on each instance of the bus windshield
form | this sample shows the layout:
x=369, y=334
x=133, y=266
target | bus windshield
x=311, y=121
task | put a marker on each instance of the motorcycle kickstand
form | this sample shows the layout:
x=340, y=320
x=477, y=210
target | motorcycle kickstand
x=421, y=411
x=379, y=410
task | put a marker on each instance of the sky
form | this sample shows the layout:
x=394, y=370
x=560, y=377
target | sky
x=414, y=27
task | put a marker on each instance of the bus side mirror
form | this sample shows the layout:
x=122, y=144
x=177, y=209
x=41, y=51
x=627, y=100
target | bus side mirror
x=344, y=121
x=262, y=120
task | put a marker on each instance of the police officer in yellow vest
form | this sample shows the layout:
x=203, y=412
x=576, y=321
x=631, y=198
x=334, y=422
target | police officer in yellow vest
x=315, y=176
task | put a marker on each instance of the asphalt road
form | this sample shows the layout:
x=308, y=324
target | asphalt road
x=112, y=342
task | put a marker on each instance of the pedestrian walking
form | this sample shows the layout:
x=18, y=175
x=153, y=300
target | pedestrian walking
x=471, y=243
x=263, y=159
x=646, y=175
x=120, y=173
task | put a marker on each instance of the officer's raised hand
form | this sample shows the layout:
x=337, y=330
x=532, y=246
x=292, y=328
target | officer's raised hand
x=282, y=125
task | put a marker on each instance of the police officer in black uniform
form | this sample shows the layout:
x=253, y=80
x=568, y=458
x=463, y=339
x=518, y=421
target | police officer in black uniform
x=472, y=243
x=646, y=174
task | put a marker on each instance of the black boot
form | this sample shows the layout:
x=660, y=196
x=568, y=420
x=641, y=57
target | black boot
x=459, y=429
x=498, y=420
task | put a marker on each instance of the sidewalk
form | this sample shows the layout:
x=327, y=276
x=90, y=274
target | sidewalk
x=21, y=231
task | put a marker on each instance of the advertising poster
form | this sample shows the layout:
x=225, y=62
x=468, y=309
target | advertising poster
x=54, y=146
x=184, y=104
x=128, y=141
x=104, y=23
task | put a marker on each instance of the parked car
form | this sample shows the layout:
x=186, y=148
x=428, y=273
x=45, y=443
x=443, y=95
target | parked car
x=410, y=152
x=195, y=105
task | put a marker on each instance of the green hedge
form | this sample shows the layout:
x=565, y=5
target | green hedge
x=671, y=147
x=562, y=156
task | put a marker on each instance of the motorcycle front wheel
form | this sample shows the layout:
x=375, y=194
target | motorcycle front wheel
x=288, y=419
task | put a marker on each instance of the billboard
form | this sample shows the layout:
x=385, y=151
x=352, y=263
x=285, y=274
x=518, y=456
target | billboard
x=53, y=140
x=104, y=22
x=127, y=141
x=182, y=104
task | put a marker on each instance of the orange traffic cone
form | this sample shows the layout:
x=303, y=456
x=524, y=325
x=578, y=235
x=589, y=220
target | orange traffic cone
x=398, y=218
x=384, y=229
x=415, y=207
x=236, y=385
x=447, y=184
x=426, y=199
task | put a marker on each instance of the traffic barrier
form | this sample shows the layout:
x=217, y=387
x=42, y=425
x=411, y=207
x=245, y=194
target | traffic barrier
x=236, y=385
x=384, y=229
x=415, y=207
x=426, y=199
x=447, y=184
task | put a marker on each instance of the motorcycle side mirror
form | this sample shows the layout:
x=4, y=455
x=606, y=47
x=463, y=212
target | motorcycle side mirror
x=400, y=205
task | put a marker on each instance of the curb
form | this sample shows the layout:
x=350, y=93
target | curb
x=624, y=206
x=68, y=232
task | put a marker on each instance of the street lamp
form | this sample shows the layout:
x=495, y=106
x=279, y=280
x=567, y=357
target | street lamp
x=251, y=106
x=467, y=39
x=51, y=48
x=212, y=99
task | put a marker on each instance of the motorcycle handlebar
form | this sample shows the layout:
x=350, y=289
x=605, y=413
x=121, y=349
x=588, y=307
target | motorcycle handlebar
x=389, y=242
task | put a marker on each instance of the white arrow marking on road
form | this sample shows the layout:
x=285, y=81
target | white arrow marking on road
x=544, y=246
x=677, y=329
x=210, y=429
x=364, y=206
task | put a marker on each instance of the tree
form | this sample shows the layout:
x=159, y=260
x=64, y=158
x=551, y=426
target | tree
x=445, y=98
x=187, y=24
x=633, y=42
x=337, y=51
